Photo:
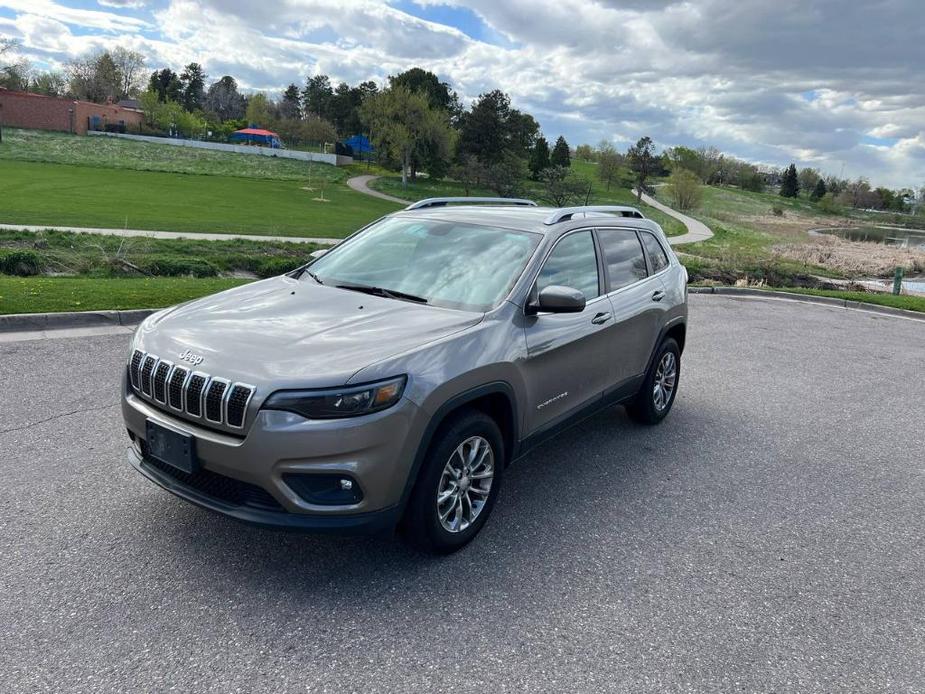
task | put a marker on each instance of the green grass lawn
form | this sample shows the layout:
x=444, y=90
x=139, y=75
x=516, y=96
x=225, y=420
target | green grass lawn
x=427, y=188
x=54, y=294
x=59, y=194
x=118, y=153
x=909, y=303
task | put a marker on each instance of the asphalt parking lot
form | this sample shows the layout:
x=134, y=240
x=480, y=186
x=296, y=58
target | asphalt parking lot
x=769, y=536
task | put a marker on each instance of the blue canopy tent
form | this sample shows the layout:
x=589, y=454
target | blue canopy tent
x=257, y=136
x=360, y=144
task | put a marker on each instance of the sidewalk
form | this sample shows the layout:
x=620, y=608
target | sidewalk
x=168, y=234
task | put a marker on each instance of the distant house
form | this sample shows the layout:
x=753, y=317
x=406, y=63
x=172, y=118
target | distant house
x=27, y=110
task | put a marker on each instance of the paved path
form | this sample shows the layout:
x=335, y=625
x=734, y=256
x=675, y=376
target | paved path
x=361, y=185
x=168, y=234
x=766, y=537
x=696, y=230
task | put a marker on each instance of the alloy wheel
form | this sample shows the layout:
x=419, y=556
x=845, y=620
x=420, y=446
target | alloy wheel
x=666, y=378
x=465, y=484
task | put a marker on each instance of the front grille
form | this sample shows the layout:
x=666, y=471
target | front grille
x=217, y=486
x=214, y=400
x=237, y=404
x=160, y=381
x=175, y=387
x=137, y=356
x=146, y=370
x=193, y=393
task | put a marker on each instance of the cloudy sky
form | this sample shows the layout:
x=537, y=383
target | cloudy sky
x=835, y=84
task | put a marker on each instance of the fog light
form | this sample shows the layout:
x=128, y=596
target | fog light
x=325, y=489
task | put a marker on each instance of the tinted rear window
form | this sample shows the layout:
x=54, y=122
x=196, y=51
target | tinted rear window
x=657, y=255
x=623, y=256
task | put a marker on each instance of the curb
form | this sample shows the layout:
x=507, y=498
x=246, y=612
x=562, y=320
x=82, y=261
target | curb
x=810, y=299
x=29, y=322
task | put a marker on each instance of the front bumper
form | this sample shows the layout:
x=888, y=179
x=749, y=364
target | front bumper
x=244, y=477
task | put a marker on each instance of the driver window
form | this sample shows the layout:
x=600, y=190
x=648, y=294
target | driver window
x=572, y=263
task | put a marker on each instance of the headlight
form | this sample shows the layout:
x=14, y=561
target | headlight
x=334, y=403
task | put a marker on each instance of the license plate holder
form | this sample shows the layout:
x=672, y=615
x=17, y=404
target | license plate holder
x=171, y=447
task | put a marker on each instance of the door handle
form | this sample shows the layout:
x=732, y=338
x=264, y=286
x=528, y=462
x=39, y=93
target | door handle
x=658, y=295
x=600, y=318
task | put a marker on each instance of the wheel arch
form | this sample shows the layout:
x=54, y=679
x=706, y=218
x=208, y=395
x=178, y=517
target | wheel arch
x=496, y=399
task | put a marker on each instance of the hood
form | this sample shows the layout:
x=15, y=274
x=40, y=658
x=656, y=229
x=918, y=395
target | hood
x=286, y=333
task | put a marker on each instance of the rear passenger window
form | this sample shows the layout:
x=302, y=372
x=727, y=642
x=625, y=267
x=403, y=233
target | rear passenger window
x=623, y=256
x=572, y=263
x=657, y=255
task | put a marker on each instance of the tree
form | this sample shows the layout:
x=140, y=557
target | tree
x=684, y=189
x=439, y=95
x=128, y=65
x=807, y=178
x=561, y=187
x=560, y=153
x=193, y=81
x=584, y=153
x=51, y=83
x=505, y=177
x=539, y=157
x=258, y=110
x=404, y=125
x=290, y=107
x=790, y=183
x=641, y=158
x=317, y=96
x=14, y=70
x=94, y=77
x=166, y=84
x=609, y=163
x=491, y=128
x=819, y=190
x=223, y=99
x=469, y=171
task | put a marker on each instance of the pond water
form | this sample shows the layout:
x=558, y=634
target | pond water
x=891, y=236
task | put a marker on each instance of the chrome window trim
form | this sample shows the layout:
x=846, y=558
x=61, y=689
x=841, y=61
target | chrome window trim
x=644, y=279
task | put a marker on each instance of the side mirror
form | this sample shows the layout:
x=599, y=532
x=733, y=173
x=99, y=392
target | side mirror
x=317, y=254
x=558, y=299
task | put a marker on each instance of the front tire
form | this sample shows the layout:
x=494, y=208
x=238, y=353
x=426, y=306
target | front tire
x=654, y=400
x=458, y=484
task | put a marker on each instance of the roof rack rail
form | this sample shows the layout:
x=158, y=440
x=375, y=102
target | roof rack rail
x=440, y=202
x=565, y=213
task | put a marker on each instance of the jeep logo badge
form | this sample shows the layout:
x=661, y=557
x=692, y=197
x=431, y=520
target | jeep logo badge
x=194, y=359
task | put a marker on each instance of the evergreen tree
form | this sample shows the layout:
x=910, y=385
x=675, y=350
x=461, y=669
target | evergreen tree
x=318, y=96
x=790, y=184
x=290, y=107
x=193, y=79
x=166, y=84
x=560, y=153
x=539, y=157
x=819, y=191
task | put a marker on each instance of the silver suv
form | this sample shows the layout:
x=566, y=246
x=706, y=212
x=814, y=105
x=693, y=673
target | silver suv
x=389, y=382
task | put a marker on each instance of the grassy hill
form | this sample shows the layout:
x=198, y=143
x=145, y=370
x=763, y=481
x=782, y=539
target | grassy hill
x=618, y=194
x=59, y=179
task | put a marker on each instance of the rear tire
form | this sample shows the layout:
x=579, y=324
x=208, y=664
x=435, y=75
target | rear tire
x=458, y=484
x=656, y=396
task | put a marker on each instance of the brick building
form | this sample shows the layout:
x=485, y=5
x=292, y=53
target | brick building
x=26, y=110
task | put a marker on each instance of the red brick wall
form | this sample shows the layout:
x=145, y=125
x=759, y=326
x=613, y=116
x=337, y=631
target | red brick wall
x=23, y=110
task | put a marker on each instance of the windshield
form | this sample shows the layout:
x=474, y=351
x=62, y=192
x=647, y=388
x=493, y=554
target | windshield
x=446, y=264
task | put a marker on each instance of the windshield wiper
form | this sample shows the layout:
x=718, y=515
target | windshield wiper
x=381, y=291
x=313, y=276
